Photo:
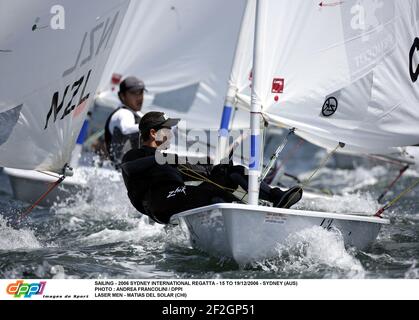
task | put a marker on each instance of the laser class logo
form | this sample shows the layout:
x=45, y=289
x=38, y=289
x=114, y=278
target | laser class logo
x=330, y=107
x=20, y=289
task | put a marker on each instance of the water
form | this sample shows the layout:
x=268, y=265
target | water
x=107, y=238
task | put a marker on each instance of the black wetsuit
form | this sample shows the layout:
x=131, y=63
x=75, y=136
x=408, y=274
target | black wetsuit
x=159, y=190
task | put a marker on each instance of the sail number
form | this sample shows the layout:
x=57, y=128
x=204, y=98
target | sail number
x=327, y=224
x=56, y=107
x=95, y=43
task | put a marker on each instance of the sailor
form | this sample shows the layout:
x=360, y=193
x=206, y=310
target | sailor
x=159, y=190
x=121, y=128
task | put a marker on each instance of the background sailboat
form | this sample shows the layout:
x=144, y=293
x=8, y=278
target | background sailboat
x=52, y=58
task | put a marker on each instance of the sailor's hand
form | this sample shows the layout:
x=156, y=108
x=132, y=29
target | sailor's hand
x=221, y=174
x=222, y=169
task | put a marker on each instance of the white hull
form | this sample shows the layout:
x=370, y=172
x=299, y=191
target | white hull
x=29, y=186
x=250, y=233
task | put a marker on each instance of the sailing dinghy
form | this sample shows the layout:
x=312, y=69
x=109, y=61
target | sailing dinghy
x=336, y=73
x=52, y=56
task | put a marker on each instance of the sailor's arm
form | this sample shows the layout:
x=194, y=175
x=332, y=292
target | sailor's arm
x=194, y=170
x=139, y=166
x=125, y=121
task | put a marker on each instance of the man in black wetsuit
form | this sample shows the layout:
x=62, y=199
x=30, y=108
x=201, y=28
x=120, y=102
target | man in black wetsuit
x=159, y=191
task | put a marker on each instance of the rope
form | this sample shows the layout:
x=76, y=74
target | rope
x=397, y=199
x=291, y=154
x=399, y=163
x=275, y=156
x=51, y=188
x=202, y=178
x=49, y=174
x=199, y=177
x=402, y=171
x=322, y=165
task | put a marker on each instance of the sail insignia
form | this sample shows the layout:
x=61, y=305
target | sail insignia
x=330, y=107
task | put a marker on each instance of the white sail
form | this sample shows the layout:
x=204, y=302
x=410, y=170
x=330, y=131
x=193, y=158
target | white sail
x=183, y=50
x=52, y=56
x=242, y=64
x=340, y=72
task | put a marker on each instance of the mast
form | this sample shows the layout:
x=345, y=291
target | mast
x=242, y=53
x=256, y=109
x=223, y=139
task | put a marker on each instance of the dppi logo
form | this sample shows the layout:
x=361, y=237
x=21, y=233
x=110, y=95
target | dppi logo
x=19, y=289
x=414, y=73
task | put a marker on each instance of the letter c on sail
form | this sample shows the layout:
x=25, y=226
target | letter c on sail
x=414, y=74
